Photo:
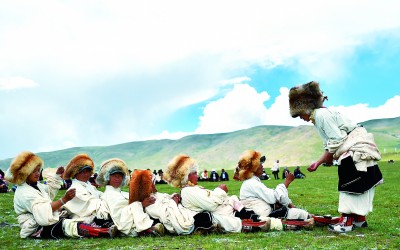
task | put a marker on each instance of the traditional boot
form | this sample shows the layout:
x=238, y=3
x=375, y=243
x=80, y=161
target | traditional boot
x=359, y=221
x=345, y=224
x=323, y=220
x=298, y=224
x=249, y=225
x=88, y=230
x=156, y=230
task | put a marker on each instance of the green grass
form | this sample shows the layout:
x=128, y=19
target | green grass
x=316, y=193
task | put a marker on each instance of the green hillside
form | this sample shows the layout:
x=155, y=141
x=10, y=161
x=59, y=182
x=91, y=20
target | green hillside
x=291, y=145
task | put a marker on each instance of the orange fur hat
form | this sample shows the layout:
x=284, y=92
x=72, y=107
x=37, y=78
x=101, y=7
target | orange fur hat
x=303, y=99
x=76, y=164
x=110, y=167
x=178, y=170
x=248, y=164
x=22, y=166
x=140, y=186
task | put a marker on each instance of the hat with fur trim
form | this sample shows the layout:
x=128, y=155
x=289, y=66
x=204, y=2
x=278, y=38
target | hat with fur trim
x=22, y=166
x=110, y=167
x=178, y=170
x=248, y=164
x=303, y=99
x=140, y=186
x=78, y=164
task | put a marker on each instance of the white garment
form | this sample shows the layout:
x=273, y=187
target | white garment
x=33, y=207
x=130, y=219
x=356, y=204
x=86, y=205
x=259, y=198
x=217, y=202
x=275, y=167
x=176, y=218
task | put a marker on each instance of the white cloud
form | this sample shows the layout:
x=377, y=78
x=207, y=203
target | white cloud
x=9, y=83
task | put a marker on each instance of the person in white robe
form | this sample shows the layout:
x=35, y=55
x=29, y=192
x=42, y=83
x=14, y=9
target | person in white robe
x=130, y=219
x=39, y=216
x=182, y=172
x=354, y=149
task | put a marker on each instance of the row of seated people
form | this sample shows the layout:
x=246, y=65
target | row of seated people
x=84, y=211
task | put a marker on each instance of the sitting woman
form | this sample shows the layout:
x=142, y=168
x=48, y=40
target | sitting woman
x=266, y=201
x=38, y=215
x=129, y=218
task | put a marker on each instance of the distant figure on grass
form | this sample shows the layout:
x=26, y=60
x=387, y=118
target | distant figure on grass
x=224, y=175
x=38, y=215
x=3, y=185
x=348, y=143
x=204, y=175
x=214, y=176
x=298, y=174
x=275, y=170
x=285, y=172
x=129, y=218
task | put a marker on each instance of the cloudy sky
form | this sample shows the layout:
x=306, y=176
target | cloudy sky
x=84, y=73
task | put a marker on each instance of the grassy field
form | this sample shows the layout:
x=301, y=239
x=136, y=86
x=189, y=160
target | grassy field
x=316, y=193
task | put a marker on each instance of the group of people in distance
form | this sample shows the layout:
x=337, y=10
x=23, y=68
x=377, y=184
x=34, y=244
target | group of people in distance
x=213, y=176
x=84, y=211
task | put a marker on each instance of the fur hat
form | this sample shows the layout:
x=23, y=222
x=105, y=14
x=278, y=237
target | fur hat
x=22, y=166
x=140, y=186
x=77, y=164
x=303, y=99
x=248, y=164
x=178, y=170
x=110, y=167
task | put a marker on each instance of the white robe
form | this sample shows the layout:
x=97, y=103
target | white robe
x=87, y=203
x=259, y=198
x=215, y=201
x=176, y=218
x=33, y=207
x=130, y=219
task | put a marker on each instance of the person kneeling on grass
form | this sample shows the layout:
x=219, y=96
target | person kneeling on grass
x=38, y=215
x=226, y=211
x=129, y=217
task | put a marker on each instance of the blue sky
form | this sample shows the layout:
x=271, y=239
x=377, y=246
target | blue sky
x=85, y=73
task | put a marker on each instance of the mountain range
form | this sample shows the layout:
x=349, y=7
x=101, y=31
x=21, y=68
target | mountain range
x=292, y=146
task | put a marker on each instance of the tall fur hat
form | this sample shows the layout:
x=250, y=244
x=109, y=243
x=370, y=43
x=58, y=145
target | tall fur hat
x=76, y=164
x=110, y=167
x=178, y=170
x=22, y=166
x=303, y=99
x=140, y=186
x=248, y=164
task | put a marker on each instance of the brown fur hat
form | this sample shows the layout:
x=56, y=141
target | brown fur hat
x=303, y=99
x=110, y=167
x=140, y=186
x=248, y=164
x=22, y=166
x=75, y=165
x=178, y=170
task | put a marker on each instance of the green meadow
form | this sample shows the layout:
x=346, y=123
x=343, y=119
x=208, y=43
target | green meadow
x=316, y=193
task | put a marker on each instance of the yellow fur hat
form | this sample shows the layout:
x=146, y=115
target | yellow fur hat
x=140, y=186
x=77, y=164
x=110, y=167
x=303, y=99
x=248, y=164
x=178, y=170
x=22, y=166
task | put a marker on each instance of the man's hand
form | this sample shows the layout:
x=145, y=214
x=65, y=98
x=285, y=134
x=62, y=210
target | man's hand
x=148, y=201
x=313, y=167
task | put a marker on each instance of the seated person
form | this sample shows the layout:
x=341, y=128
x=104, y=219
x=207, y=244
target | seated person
x=87, y=205
x=265, y=201
x=3, y=185
x=129, y=218
x=160, y=178
x=181, y=172
x=298, y=174
x=285, y=172
x=204, y=176
x=224, y=175
x=38, y=214
x=264, y=176
x=214, y=176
